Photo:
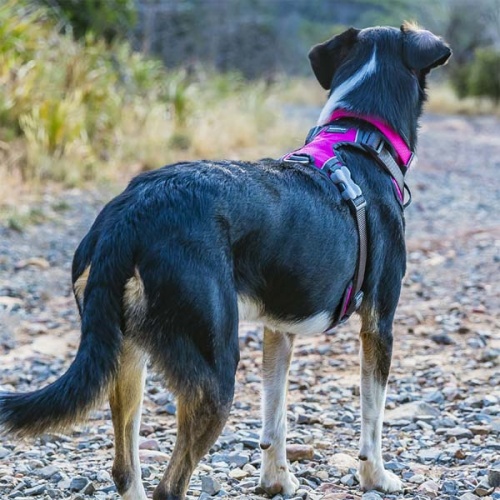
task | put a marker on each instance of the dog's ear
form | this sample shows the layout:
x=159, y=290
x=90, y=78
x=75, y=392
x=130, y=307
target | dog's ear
x=422, y=50
x=326, y=57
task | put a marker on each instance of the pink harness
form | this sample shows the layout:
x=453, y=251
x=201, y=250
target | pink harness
x=320, y=152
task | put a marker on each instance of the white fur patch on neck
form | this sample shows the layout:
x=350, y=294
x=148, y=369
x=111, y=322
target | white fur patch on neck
x=335, y=99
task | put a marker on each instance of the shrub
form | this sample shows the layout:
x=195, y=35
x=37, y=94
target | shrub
x=484, y=74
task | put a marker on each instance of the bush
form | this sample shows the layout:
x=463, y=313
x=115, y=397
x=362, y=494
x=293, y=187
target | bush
x=484, y=74
x=479, y=78
x=81, y=110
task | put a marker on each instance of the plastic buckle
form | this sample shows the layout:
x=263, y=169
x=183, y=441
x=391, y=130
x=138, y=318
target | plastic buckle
x=371, y=141
x=298, y=158
x=355, y=303
x=313, y=133
x=409, y=163
x=349, y=190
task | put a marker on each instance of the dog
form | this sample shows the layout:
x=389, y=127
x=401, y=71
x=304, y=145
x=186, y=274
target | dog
x=172, y=264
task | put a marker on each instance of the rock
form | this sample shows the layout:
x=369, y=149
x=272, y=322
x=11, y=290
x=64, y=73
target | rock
x=412, y=411
x=102, y=476
x=39, y=262
x=480, y=430
x=343, y=462
x=298, y=452
x=151, y=456
x=429, y=455
x=442, y=339
x=417, y=479
x=47, y=472
x=210, y=485
x=371, y=495
x=170, y=409
x=429, y=489
x=348, y=480
x=468, y=496
x=35, y=490
x=494, y=477
x=490, y=400
x=234, y=459
x=149, y=444
x=459, y=433
x=238, y=473
x=82, y=485
x=484, y=489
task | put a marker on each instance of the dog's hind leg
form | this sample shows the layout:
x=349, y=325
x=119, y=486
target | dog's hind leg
x=202, y=375
x=376, y=352
x=275, y=476
x=126, y=402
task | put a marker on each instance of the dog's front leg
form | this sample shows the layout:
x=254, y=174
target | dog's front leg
x=275, y=476
x=376, y=352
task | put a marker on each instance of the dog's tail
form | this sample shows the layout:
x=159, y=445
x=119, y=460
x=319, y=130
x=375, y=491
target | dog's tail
x=68, y=400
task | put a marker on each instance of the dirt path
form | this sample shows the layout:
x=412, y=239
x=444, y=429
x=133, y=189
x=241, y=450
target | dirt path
x=446, y=359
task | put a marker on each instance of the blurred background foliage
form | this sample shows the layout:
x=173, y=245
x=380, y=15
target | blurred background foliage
x=95, y=87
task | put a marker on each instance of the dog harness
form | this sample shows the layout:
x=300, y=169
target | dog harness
x=390, y=151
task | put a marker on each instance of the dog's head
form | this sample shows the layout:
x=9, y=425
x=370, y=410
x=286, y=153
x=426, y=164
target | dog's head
x=379, y=72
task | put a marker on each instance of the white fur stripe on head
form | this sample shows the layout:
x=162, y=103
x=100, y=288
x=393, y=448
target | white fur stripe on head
x=335, y=99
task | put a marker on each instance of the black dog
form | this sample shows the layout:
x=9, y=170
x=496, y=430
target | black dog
x=172, y=263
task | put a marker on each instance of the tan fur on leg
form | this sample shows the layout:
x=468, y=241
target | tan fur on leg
x=126, y=403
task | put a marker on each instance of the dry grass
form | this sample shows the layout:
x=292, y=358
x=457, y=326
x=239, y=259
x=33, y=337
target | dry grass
x=443, y=100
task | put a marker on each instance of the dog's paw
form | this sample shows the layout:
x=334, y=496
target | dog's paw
x=377, y=478
x=280, y=481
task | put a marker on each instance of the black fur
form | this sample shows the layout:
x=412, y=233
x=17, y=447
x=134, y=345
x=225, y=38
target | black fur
x=201, y=234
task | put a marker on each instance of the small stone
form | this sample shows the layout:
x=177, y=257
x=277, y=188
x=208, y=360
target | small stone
x=238, y=473
x=429, y=455
x=442, y=339
x=35, y=490
x=460, y=454
x=170, y=409
x=39, y=262
x=328, y=423
x=429, y=488
x=348, y=480
x=480, y=430
x=449, y=487
x=459, y=433
x=234, y=459
x=210, y=485
x=494, y=477
x=490, y=400
x=297, y=452
x=252, y=443
x=78, y=483
x=103, y=476
x=417, y=479
x=149, y=444
x=371, y=495
x=484, y=489
x=468, y=496
x=322, y=474
x=151, y=456
x=47, y=472
x=414, y=410
x=343, y=462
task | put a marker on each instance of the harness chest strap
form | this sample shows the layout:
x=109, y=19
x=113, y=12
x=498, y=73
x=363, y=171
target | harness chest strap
x=320, y=152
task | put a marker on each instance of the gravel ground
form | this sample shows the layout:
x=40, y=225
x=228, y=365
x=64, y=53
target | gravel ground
x=443, y=406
